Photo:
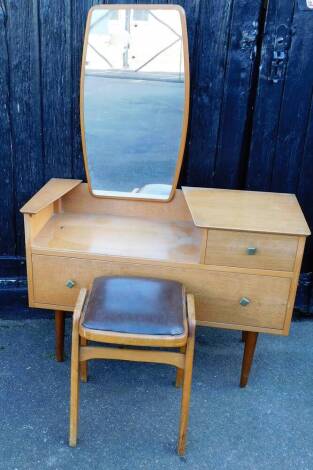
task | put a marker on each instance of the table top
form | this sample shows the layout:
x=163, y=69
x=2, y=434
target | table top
x=110, y=235
x=246, y=211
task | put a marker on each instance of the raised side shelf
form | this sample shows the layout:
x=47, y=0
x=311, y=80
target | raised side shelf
x=109, y=235
x=252, y=211
x=52, y=191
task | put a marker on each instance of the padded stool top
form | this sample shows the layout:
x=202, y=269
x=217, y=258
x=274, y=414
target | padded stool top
x=136, y=305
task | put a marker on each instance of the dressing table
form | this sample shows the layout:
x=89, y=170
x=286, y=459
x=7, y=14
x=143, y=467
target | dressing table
x=238, y=252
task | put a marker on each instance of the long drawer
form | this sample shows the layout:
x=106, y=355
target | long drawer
x=221, y=297
x=251, y=250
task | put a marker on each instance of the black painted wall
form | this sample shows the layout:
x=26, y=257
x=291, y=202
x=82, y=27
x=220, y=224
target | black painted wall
x=247, y=130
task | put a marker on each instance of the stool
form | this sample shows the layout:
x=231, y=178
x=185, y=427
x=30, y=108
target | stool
x=133, y=311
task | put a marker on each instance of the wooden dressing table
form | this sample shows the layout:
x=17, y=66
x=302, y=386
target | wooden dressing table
x=238, y=252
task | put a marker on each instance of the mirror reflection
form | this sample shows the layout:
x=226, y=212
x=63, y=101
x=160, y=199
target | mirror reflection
x=133, y=88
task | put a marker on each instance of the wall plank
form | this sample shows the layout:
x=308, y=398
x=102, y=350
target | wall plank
x=305, y=191
x=56, y=83
x=7, y=206
x=25, y=105
x=268, y=101
x=78, y=21
x=207, y=81
x=295, y=106
x=230, y=149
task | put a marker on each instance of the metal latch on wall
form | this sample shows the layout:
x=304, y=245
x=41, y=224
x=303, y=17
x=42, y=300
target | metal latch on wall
x=278, y=66
x=280, y=54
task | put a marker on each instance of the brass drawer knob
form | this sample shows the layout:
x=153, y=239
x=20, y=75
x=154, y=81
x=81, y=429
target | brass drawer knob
x=70, y=284
x=244, y=301
x=251, y=250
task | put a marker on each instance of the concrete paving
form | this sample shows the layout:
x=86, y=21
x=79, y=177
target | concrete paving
x=129, y=412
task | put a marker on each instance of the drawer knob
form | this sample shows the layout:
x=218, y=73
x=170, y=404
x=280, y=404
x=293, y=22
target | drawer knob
x=70, y=284
x=251, y=250
x=244, y=301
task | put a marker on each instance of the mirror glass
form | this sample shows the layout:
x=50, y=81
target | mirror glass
x=134, y=100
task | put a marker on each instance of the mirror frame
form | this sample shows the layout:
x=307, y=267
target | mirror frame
x=185, y=118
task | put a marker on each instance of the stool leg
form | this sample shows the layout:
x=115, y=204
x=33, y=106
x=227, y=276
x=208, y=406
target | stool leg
x=250, y=344
x=184, y=416
x=59, y=335
x=83, y=364
x=74, y=405
x=180, y=372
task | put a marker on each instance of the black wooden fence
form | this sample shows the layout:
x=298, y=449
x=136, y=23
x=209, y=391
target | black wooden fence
x=251, y=122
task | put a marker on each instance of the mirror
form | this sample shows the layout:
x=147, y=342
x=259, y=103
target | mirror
x=134, y=100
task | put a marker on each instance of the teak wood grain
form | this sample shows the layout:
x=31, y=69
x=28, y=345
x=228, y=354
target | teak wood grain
x=275, y=252
x=217, y=293
x=294, y=284
x=51, y=192
x=250, y=340
x=78, y=237
x=80, y=201
x=246, y=211
x=112, y=235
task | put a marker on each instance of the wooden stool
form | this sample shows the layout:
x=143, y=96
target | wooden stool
x=132, y=311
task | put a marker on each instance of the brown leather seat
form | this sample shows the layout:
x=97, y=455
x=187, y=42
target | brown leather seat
x=136, y=305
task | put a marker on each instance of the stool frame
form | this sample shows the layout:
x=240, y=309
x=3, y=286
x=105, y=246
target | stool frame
x=182, y=360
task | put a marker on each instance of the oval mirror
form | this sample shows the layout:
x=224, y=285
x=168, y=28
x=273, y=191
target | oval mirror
x=134, y=100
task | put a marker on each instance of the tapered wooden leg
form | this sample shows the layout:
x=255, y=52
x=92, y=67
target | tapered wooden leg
x=74, y=401
x=74, y=405
x=180, y=372
x=59, y=335
x=243, y=336
x=184, y=416
x=83, y=364
x=250, y=344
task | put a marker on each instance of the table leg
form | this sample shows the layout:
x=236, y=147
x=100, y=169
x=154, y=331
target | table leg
x=243, y=336
x=59, y=335
x=250, y=344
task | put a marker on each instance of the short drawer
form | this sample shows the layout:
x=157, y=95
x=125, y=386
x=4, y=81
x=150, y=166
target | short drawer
x=57, y=280
x=251, y=250
x=221, y=297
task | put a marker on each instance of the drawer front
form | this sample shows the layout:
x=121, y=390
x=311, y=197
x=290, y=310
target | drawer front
x=251, y=250
x=220, y=296
x=244, y=299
